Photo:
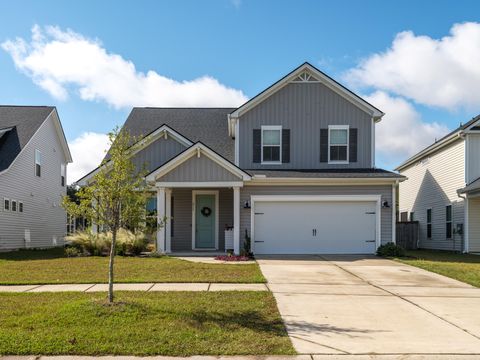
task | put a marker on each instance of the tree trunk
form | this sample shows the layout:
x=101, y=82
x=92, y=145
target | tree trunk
x=110, y=265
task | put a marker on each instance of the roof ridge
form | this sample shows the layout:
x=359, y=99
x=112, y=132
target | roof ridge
x=26, y=106
x=180, y=107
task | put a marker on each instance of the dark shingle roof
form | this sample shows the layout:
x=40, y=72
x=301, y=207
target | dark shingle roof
x=208, y=125
x=327, y=173
x=24, y=121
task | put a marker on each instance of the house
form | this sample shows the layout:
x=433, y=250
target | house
x=442, y=192
x=293, y=169
x=33, y=166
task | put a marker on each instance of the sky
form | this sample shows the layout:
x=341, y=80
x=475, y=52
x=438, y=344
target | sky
x=418, y=61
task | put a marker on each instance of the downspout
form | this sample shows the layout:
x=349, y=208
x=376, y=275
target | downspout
x=465, y=221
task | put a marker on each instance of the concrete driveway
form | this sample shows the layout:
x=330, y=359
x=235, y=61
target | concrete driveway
x=365, y=305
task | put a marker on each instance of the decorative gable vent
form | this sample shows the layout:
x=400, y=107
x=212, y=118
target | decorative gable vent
x=305, y=77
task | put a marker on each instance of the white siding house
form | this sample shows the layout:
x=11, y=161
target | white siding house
x=33, y=180
x=440, y=183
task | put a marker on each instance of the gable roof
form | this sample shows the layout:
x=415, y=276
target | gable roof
x=23, y=122
x=444, y=141
x=197, y=148
x=316, y=75
x=208, y=125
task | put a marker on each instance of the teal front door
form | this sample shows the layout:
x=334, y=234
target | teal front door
x=205, y=221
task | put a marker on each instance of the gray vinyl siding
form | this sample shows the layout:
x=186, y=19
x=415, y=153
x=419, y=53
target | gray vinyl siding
x=199, y=169
x=182, y=214
x=157, y=153
x=473, y=160
x=433, y=183
x=41, y=197
x=474, y=224
x=384, y=190
x=305, y=108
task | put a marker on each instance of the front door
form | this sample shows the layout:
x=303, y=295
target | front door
x=205, y=221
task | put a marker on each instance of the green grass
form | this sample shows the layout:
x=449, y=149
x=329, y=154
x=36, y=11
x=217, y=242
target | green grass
x=52, y=267
x=463, y=267
x=161, y=323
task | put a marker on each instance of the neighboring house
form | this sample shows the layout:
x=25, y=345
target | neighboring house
x=293, y=168
x=33, y=163
x=442, y=192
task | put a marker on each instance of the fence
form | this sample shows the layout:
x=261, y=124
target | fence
x=407, y=234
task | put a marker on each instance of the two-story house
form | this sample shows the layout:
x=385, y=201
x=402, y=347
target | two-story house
x=33, y=167
x=293, y=168
x=442, y=192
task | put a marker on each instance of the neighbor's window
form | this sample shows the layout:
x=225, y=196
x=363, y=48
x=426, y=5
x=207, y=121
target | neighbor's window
x=38, y=163
x=448, y=214
x=20, y=206
x=338, y=144
x=412, y=216
x=429, y=223
x=14, y=205
x=62, y=174
x=404, y=216
x=6, y=204
x=271, y=144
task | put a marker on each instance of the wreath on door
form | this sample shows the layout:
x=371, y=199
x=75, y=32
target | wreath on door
x=206, y=211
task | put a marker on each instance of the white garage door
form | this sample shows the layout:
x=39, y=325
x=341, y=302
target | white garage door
x=311, y=227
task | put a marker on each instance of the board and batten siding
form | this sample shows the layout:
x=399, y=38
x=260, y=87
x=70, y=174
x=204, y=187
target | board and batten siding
x=199, y=169
x=305, y=108
x=157, y=153
x=474, y=224
x=384, y=190
x=182, y=215
x=433, y=183
x=473, y=158
x=42, y=213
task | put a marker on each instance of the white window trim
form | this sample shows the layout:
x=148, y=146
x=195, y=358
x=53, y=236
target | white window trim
x=39, y=163
x=9, y=204
x=271, y=127
x=449, y=222
x=339, y=127
x=430, y=223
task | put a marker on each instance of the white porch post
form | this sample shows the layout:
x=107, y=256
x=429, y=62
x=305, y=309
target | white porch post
x=236, y=220
x=168, y=224
x=160, y=217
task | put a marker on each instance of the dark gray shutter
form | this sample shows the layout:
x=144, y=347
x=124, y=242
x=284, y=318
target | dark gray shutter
x=257, y=145
x=323, y=145
x=352, y=156
x=285, y=145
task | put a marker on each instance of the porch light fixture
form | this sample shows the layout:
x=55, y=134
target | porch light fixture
x=385, y=204
x=246, y=205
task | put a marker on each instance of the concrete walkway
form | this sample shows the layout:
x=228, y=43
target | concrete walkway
x=134, y=287
x=362, y=305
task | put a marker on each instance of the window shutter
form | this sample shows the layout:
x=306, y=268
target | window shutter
x=285, y=145
x=352, y=156
x=323, y=145
x=257, y=145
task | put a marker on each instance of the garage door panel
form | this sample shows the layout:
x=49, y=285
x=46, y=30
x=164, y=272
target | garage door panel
x=314, y=227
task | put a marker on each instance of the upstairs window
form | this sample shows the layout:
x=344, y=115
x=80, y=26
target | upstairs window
x=20, y=206
x=14, y=205
x=38, y=163
x=271, y=144
x=62, y=174
x=448, y=215
x=6, y=204
x=338, y=144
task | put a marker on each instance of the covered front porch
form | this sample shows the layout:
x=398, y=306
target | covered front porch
x=201, y=220
x=471, y=194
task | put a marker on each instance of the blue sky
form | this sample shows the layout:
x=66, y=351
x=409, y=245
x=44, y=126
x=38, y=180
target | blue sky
x=242, y=46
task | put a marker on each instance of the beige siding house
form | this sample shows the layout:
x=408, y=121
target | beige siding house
x=442, y=191
x=33, y=162
x=293, y=169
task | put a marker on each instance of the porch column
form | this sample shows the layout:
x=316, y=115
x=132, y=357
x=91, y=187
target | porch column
x=160, y=217
x=236, y=220
x=168, y=224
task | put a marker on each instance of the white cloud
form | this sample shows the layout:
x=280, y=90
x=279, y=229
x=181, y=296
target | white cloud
x=59, y=61
x=87, y=151
x=401, y=133
x=442, y=72
x=236, y=3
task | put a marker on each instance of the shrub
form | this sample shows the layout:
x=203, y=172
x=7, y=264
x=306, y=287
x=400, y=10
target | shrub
x=232, y=258
x=71, y=252
x=390, y=250
x=247, y=250
x=88, y=243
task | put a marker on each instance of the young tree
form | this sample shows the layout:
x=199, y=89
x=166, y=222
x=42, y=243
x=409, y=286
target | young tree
x=115, y=197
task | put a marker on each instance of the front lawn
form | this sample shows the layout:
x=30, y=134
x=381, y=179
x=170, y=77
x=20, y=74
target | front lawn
x=463, y=267
x=160, y=323
x=52, y=267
